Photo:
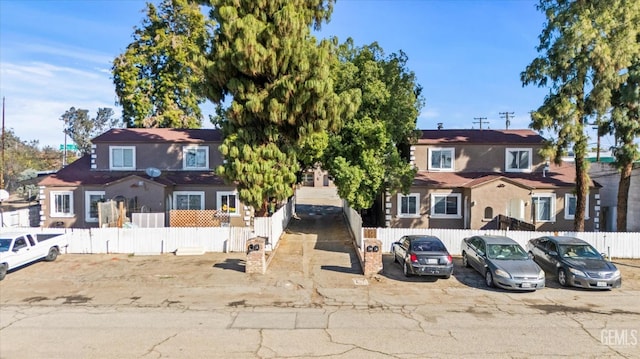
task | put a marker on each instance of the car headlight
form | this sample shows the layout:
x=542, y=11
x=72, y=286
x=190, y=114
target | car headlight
x=501, y=273
x=577, y=272
x=541, y=274
x=616, y=273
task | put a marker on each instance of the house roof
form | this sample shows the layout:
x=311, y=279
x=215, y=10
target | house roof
x=556, y=177
x=516, y=137
x=146, y=135
x=78, y=173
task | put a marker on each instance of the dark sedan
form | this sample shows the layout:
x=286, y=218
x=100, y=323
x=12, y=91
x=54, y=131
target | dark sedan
x=575, y=262
x=502, y=262
x=423, y=255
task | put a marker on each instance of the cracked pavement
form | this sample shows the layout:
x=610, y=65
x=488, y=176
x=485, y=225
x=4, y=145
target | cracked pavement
x=313, y=302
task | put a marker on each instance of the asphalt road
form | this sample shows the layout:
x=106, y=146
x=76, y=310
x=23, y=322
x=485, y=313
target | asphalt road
x=312, y=303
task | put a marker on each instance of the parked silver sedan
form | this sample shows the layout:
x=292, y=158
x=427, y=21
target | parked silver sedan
x=575, y=262
x=423, y=255
x=502, y=262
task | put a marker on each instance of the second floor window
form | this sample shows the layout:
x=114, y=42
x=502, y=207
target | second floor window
x=441, y=159
x=195, y=157
x=122, y=158
x=518, y=160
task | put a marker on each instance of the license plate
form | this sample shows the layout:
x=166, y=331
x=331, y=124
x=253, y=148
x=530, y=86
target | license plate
x=526, y=285
x=432, y=261
x=601, y=284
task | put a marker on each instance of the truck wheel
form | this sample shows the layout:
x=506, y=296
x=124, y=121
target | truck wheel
x=53, y=254
x=3, y=271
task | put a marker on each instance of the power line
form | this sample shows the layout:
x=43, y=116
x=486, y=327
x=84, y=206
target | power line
x=480, y=121
x=507, y=116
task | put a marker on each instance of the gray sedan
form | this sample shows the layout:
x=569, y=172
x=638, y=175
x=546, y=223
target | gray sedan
x=575, y=262
x=423, y=255
x=502, y=262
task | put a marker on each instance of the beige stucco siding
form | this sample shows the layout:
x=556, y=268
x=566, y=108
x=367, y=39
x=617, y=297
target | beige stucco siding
x=475, y=157
x=164, y=156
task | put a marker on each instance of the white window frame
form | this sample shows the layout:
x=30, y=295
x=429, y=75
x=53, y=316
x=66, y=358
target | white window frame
x=87, y=205
x=123, y=168
x=188, y=193
x=452, y=151
x=571, y=216
x=552, y=210
x=458, y=196
x=186, y=149
x=507, y=167
x=53, y=212
x=408, y=215
x=221, y=194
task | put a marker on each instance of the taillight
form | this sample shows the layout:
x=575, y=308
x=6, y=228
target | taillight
x=413, y=257
x=449, y=258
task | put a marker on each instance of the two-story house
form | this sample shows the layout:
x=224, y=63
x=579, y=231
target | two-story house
x=149, y=170
x=466, y=179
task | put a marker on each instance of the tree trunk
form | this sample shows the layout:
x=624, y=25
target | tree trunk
x=582, y=181
x=623, y=196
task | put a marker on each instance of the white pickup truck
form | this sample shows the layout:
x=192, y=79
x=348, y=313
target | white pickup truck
x=23, y=247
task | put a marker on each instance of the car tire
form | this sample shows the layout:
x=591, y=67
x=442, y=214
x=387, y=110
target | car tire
x=562, y=277
x=465, y=260
x=405, y=270
x=3, y=271
x=446, y=276
x=53, y=254
x=488, y=278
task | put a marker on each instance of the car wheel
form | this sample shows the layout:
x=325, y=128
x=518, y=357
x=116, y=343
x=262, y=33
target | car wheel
x=488, y=278
x=405, y=270
x=562, y=277
x=53, y=254
x=465, y=260
x=3, y=271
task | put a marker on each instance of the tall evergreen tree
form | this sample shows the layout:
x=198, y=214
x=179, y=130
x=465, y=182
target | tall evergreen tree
x=584, y=46
x=370, y=153
x=157, y=78
x=278, y=80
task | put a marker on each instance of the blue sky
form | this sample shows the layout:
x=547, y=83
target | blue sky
x=466, y=54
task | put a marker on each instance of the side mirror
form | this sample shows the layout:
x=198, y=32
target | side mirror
x=530, y=255
x=553, y=253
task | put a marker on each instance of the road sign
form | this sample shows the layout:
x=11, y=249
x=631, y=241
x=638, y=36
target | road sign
x=70, y=147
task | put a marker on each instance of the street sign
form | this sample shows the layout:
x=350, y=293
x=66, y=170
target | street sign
x=70, y=147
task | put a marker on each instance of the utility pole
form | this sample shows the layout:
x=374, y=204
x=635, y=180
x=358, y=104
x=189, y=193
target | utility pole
x=480, y=121
x=2, y=169
x=506, y=116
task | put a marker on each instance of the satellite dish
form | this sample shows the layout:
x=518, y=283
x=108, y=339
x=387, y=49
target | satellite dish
x=152, y=172
x=3, y=195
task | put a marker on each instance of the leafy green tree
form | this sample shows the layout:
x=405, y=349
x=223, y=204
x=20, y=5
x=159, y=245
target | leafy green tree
x=369, y=155
x=584, y=46
x=277, y=77
x=624, y=123
x=157, y=78
x=82, y=128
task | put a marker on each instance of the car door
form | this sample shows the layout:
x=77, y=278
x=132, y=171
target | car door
x=480, y=252
x=473, y=256
x=550, y=257
x=401, y=249
x=21, y=251
x=539, y=251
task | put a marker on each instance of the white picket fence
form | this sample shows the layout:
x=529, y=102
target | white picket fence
x=614, y=244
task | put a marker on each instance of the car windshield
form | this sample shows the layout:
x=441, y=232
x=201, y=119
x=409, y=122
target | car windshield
x=578, y=251
x=4, y=244
x=427, y=246
x=506, y=251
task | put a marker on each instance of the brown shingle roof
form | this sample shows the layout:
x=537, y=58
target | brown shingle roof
x=78, y=173
x=137, y=135
x=480, y=136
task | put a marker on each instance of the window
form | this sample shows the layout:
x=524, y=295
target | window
x=91, y=200
x=570, y=203
x=543, y=207
x=488, y=213
x=188, y=200
x=228, y=203
x=195, y=157
x=61, y=204
x=446, y=205
x=122, y=157
x=441, y=159
x=409, y=205
x=518, y=160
